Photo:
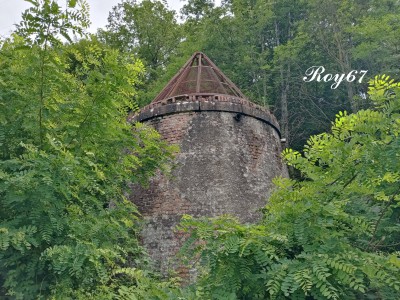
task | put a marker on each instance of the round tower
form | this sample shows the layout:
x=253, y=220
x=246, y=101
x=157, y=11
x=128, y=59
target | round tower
x=229, y=153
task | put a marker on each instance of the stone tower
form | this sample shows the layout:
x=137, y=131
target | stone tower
x=229, y=154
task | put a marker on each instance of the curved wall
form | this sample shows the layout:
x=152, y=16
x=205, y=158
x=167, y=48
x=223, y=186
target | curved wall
x=226, y=164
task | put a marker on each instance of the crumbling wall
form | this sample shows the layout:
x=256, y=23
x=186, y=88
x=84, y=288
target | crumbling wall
x=225, y=166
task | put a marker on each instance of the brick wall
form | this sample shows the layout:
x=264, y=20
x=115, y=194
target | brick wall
x=225, y=166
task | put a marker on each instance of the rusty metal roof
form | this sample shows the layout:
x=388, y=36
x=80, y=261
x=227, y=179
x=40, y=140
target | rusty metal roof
x=199, y=75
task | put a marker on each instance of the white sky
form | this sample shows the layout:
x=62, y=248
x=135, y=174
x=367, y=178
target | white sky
x=11, y=10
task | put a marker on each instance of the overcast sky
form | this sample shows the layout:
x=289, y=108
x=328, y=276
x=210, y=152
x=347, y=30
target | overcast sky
x=10, y=12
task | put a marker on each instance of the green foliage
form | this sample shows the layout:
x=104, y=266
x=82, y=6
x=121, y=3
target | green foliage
x=148, y=29
x=196, y=9
x=45, y=21
x=377, y=51
x=332, y=235
x=265, y=47
x=67, y=157
x=67, y=154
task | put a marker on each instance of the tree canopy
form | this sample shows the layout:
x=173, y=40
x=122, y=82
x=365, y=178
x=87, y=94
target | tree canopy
x=332, y=235
x=68, y=156
x=265, y=47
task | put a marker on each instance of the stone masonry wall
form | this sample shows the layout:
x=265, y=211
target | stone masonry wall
x=225, y=166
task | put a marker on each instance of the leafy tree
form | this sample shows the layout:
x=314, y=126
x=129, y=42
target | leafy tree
x=67, y=155
x=196, y=9
x=265, y=47
x=332, y=235
x=375, y=43
x=46, y=21
x=148, y=29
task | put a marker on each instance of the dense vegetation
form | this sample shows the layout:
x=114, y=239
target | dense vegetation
x=333, y=235
x=66, y=157
x=67, y=154
x=265, y=47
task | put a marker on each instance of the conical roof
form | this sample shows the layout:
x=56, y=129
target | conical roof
x=199, y=75
x=200, y=86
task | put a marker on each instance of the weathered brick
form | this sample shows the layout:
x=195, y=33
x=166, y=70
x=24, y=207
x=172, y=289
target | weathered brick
x=229, y=154
x=225, y=167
